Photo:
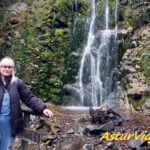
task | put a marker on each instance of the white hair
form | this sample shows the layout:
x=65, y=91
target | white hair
x=7, y=61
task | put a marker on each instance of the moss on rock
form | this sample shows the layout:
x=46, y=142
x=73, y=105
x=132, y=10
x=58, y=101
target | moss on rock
x=145, y=64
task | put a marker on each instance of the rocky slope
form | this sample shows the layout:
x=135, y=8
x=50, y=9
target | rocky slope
x=134, y=64
x=38, y=37
x=70, y=130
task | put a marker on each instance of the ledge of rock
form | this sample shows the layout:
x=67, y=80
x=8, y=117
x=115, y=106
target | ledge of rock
x=143, y=90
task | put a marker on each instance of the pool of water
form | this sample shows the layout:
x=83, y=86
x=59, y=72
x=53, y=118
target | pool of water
x=78, y=109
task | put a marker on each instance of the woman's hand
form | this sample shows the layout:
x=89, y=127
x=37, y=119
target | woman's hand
x=48, y=113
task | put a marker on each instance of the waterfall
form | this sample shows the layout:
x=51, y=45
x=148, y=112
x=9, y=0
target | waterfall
x=76, y=4
x=106, y=15
x=116, y=19
x=87, y=53
x=98, y=61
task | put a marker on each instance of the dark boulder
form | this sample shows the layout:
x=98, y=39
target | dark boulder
x=100, y=116
x=97, y=129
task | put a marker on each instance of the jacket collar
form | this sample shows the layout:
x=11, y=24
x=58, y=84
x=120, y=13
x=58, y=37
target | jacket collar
x=8, y=80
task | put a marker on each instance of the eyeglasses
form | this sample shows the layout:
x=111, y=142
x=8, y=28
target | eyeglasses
x=9, y=67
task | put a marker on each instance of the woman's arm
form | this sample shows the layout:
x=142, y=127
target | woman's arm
x=31, y=100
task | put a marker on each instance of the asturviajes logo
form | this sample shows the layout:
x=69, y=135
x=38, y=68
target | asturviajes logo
x=143, y=136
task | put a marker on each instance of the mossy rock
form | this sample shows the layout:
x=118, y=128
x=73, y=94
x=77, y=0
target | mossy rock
x=145, y=63
x=138, y=102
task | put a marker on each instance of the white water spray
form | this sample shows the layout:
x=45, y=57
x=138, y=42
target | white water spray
x=76, y=4
x=107, y=15
x=87, y=51
x=116, y=19
x=96, y=63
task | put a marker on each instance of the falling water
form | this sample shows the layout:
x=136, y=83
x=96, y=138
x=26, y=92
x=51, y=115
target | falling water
x=116, y=19
x=106, y=15
x=87, y=52
x=76, y=4
x=94, y=82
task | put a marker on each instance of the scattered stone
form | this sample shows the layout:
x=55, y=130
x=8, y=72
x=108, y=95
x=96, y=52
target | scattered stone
x=76, y=144
x=88, y=147
x=49, y=137
x=128, y=69
x=139, y=90
x=124, y=2
x=70, y=131
x=136, y=143
x=147, y=104
x=14, y=20
x=97, y=129
x=146, y=108
x=18, y=7
x=64, y=135
x=17, y=34
x=107, y=126
x=133, y=44
x=93, y=129
x=110, y=145
x=42, y=146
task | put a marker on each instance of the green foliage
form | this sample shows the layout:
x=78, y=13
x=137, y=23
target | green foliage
x=40, y=56
x=30, y=2
x=139, y=102
x=112, y=7
x=66, y=5
x=42, y=46
x=67, y=100
x=145, y=64
x=2, y=16
x=59, y=32
x=129, y=19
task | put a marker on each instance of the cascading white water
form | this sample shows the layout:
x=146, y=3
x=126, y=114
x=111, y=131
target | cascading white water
x=106, y=15
x=76, y=5
x=95, y=74
x=116, y=19
x=87, y=53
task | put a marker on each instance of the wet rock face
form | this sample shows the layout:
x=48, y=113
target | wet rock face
x=134, y=79
x=133, y=75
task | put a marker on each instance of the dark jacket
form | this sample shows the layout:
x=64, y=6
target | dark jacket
x=18, y=90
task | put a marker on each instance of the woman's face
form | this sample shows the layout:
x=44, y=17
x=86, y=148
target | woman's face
x=6, y=70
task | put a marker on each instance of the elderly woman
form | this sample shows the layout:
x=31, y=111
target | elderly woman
x=12, y=90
